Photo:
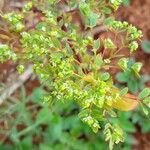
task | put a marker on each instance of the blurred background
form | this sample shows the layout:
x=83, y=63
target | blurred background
x=28, y=124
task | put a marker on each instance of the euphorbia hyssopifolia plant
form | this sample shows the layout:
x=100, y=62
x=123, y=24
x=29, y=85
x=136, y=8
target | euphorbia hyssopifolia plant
x=70, y=61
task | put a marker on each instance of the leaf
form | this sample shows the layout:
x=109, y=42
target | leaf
x=125, y=122
x=131, y=62
x=146, y=126
x=56, y=43
x=26, y=143
x=83, y=113
x=97, y=44
x=123, y=63
x=146, y=101
x=37, y=94
x=99, y=61
x=109, y=20
x=137, y=67
x=69, y=50
x=126, y=2
x=124, y=91
x=91, y=20
x=112, y=113
x=126, y=103
x=41, y=26
x=128, y=126
x=45, y=147
x=44, y=115
x=146, y=46
x=107, y=10
x=89, y=78
x=145, y=110
x=121, y=77
x=108, y=43
x=84, y=8
x=145, y=92
x=133, y=86
x=105, y=76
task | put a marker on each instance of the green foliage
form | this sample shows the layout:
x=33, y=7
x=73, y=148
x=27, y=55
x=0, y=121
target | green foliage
x=109, y=44
x=6, y=53
x=123, y=64
x=145, y=92
x=20, y=69
x=124, y=91
x=65, y=64
x=113, y=134
x=61, y=124
x=115, y=3
x=15, y=20
x=27, y=7
x=146, y=46
x=126, y=2
x=130, y=75
x=133, y=46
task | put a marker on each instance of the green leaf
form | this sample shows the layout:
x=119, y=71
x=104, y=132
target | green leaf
x=108, y=43
x=123, y=63
x=107, y=10
x=45, y=147
x=91, y=20
x=121, y=77
x=105, y=76
x=145, y=92
x=97, y=44
x=37, y=94
x=128, y=126
x=109, y=20
x=84, y=8
x=26, y=143
x=41, y=26
x=99, y=61
x=44, y=115
x=69, y=50
x=146, y=101
x=56, y=43
x=126, y=2
x=146, y=46
x=137, y=67
x=145, y=110
x=124, y=91
x=133, y=86
x=112, y=113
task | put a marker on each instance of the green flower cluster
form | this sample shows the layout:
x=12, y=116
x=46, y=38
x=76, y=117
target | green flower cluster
x=115, y=3
x=132, y=33
x=109, y=44
x=27, y=7
x=36, y=44
x=15, y=21
x=6, y=53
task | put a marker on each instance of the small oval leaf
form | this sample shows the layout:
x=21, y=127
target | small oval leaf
x=145, y=92
x=124, y=91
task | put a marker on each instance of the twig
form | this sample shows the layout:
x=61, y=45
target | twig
x=10, y=89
